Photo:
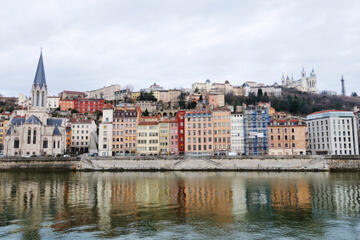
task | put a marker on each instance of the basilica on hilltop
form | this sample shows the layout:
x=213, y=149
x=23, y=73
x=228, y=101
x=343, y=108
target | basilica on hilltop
x=304, y=84
x=36, y=133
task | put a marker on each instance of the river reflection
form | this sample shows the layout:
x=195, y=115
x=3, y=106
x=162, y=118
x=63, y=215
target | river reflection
x=167, y=205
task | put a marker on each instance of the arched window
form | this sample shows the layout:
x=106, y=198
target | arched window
x=37, y=98
x=16, y=143
x=45, y=143
x=54, y=144
x=29, y=136
x=34, y=137
x=42, y=98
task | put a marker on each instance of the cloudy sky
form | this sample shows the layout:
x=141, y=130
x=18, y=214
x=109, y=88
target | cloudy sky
x=90, y=44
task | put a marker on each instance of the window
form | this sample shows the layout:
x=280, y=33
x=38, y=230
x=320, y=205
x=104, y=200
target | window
x=45, y=144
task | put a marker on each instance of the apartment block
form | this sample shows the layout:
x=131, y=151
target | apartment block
x=173, y=136
x=125, y=125
x=164, y=135
x=221, y=130
x=106, y=132
x=287, y=137
x=180, y=118
x=332, y=132
x=237, y=132
x=81, y=133
x=199, y=133
x=148, y=136
x=256, y=120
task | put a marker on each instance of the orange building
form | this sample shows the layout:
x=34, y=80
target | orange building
x=287, y=137
x=125, y=122
x=68, y=137
x=221, y=130
x=66, y=104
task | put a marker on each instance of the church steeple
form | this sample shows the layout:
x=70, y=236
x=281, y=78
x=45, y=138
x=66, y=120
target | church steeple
x=39, y=87
x=40, y=73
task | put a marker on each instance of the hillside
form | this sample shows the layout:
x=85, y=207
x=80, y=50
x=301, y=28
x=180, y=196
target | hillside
x=299, y=103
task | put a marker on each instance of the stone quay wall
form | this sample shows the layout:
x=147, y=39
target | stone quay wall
x=39, y=163
x=187, y=163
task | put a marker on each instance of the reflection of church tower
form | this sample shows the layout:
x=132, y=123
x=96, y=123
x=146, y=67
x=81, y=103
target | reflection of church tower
x=39, y=87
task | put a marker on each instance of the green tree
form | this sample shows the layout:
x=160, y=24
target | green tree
x=354, y=94
x=146, y=113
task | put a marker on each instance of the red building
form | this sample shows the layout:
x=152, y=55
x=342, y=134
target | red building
x=181, y=131
x=86, y=105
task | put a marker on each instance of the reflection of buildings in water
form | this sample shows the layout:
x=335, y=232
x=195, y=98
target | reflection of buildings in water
x=238, y=188
x=290, y=194
x=123, y=195
x=152, y=191
x=347, y=199
x=210, y=197
x=103, y=196
x=322, y=197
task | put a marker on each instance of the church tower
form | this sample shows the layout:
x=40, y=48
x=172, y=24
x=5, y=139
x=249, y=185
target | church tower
x=312, y=82
x=39, y=87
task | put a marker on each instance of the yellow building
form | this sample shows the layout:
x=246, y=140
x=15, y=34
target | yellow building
x=164, y=136
x=134, y=95
x=148, y=136
x=3, y=127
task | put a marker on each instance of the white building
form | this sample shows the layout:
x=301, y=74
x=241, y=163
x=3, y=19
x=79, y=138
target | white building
x=237, y=133
x=53, y=102
x=35, y=132
x=332, y=132
x=106, y=132
x=82, y=132
x=106, y=93
x=304, y=84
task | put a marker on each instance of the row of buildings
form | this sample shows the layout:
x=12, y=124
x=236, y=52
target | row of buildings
x=212, y=128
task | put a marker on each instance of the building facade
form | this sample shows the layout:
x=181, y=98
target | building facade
x=332, y=132
x=106, y=93
x=237, y=132
x=106, y=132
x=53, y=102
x=287, y=137
x=81, y=134
x=148, y=136
x=221, y=130
x=199, y=133
x=256, y=120
x=125, y=125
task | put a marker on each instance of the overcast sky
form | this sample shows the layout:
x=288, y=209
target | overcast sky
x=90, y=44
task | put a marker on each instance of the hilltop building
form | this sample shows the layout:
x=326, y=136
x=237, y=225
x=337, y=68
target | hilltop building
x=36, y=133
x=304, y=84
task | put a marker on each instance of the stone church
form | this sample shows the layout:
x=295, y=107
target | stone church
x=304, y=84
x=36, y=133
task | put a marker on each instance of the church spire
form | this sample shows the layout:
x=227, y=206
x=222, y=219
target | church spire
x=40, y=79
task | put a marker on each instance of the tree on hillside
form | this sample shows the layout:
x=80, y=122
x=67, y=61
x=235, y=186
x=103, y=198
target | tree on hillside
x=354, y=94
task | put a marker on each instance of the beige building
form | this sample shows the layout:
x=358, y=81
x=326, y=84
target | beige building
x=81, y=133
x=164, y=141
x=199, y=133
x=148, y=136
x=4, y=121
x=125, y=125
x=106, y=93
x=221, y=130
x=287, y=137
x=146, y=105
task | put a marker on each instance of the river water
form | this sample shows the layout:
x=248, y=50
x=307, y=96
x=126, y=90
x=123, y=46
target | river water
x=179, y=205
